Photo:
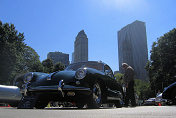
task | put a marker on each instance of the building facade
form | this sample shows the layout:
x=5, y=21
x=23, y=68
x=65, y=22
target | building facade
x=59, y=57
x=80, y=47
x=132, y=48
x=73, y=58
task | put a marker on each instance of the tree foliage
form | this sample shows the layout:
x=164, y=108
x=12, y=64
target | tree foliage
x=142, y=89
x=162, y=64
x=15, y=56
x=59, y=67
x=119, y=77
x=31, y=59
x=49, y=67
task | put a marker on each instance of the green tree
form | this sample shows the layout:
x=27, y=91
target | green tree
x=142, y=89
x=161, y=66
x=119, y=77
x=11, y=44
x=48, y=65
x=29, y=61
x=59, y=67
x=15, y=56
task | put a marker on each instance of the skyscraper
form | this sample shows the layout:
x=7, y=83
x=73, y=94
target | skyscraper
x=72, y=57
x=59, y=57
x=132, y=48
x=81, y=47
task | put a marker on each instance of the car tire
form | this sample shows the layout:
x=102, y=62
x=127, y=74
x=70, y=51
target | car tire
x=118, y=104
x=96, y=96
x=27, y=102
x=110, y=105
x=173, y=97
x=80, y=105
x=41, y=104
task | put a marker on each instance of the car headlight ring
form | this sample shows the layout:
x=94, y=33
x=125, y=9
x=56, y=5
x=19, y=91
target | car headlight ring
x=80, y=73
x=28, y=77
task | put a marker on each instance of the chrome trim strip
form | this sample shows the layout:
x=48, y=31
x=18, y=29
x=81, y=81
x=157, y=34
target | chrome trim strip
x=69, y=87
x=55, y=88
x=113, y=98
x=114, y=91
x=43, y=88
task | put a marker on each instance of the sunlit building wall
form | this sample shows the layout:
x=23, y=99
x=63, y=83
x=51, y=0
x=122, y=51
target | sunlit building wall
x=81, y=47
x=59, y=57
x=132, y=48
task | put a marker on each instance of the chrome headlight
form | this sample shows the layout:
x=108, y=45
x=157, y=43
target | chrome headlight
x=80, y=73
x=28, y=77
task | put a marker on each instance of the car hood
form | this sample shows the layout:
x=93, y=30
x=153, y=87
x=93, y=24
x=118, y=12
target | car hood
x=53, y=79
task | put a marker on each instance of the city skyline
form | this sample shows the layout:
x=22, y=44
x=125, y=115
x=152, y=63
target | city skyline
x=56, y=23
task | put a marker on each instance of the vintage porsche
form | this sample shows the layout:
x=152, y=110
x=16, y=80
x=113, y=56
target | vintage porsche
x=84, y=83
x=169, y=93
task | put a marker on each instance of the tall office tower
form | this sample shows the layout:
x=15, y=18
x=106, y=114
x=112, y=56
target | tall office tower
x=72, y=58
x=59, y=57
x=132, y=48
x=81, y=47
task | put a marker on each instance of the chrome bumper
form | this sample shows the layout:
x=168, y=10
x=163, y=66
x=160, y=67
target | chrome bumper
x=61, y=88
x=55, y=88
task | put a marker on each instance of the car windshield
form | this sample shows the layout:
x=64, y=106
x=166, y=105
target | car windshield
x=95, y=65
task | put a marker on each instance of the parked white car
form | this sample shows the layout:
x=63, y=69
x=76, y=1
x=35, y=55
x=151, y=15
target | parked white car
x=160, y=101
x=150, y=101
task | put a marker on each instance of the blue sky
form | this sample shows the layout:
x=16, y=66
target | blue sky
x=52, y=25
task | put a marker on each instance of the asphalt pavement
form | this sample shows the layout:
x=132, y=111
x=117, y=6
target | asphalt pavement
x=130, y=112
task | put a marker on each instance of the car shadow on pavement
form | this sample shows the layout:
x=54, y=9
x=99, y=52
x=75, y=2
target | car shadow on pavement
x=75, y=108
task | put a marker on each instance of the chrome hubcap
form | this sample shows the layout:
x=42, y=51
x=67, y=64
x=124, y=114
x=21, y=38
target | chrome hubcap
x=97, y=93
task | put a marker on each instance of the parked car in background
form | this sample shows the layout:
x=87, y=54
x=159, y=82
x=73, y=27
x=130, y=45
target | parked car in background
x=169, y=93
x=160, y=101
x=91, y=83
x=10, y=95
x=149, y=102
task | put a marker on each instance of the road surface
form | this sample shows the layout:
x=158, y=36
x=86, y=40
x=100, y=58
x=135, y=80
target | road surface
x=136, y=112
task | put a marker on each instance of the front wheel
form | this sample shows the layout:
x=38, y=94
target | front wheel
x=118, y=104
x=79, y=105
x=41, y=104
x=174, y=97
x=96, y=96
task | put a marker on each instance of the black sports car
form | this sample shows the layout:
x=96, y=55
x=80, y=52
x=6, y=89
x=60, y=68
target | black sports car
x=169, y=93
x=91, y=83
